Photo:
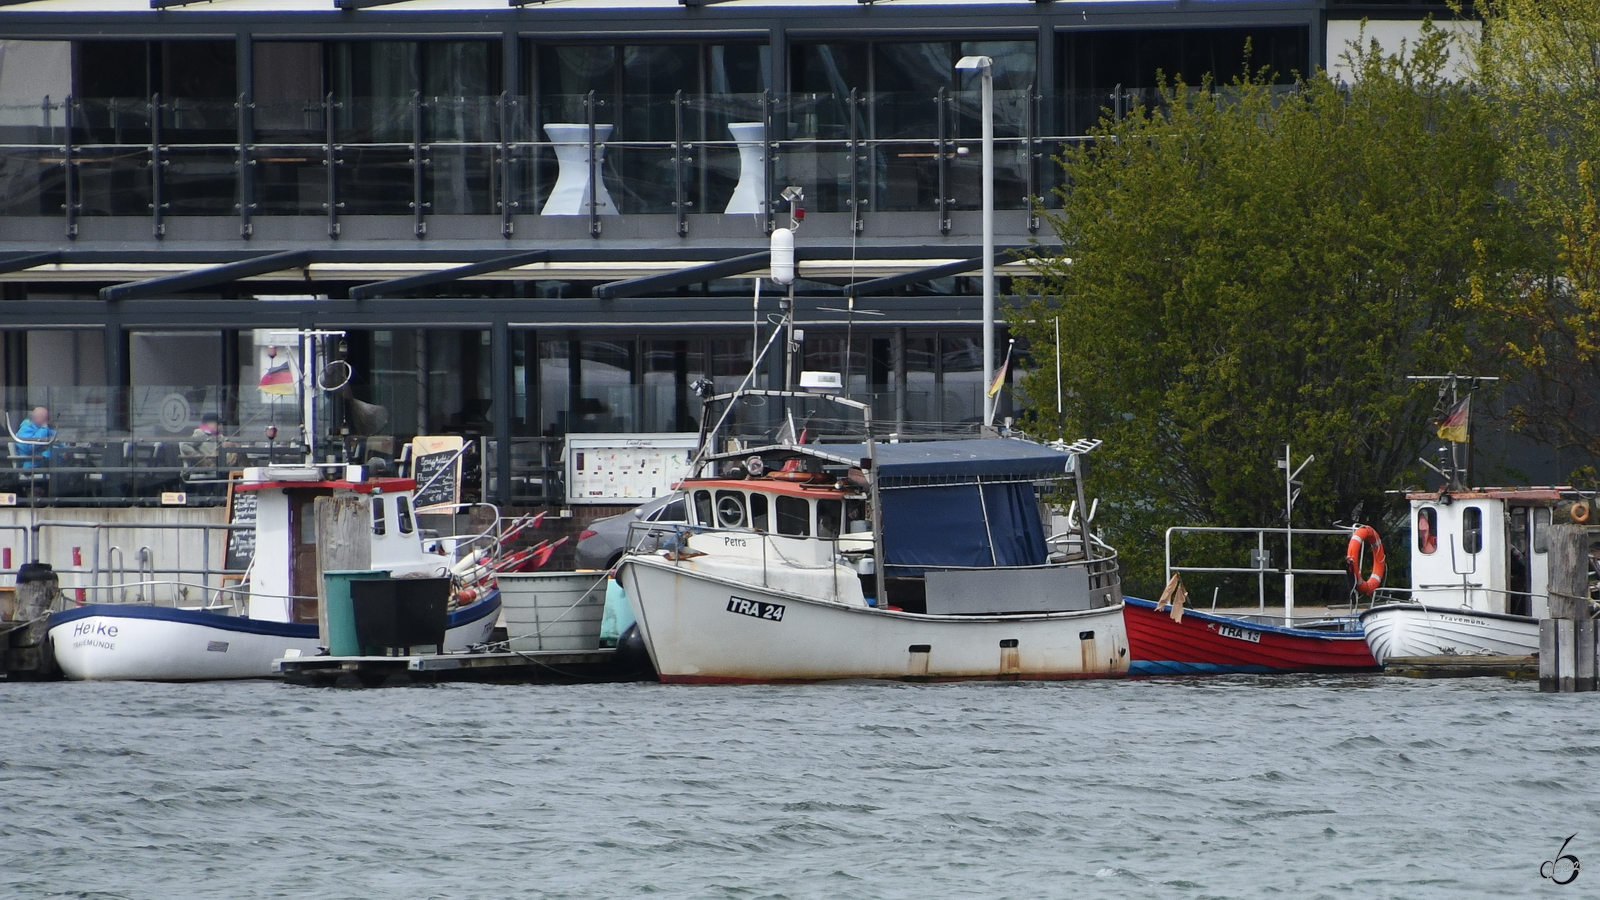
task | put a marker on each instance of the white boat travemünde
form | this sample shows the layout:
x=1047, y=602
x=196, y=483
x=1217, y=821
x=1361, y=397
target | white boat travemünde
x=1479, y=575
x=902, y=561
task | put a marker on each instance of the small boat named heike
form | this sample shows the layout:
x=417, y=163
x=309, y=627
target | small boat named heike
x=912, y=561
x=242, y=629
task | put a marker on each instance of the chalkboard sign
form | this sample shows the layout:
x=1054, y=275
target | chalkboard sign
x=436, y=468
x=241, y=541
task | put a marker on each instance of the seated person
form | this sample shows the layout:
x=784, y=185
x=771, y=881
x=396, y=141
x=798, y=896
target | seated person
x=34, y=437
x=201, y=448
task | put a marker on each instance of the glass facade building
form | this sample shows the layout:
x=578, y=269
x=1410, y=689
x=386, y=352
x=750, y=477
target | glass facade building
x=521, y=215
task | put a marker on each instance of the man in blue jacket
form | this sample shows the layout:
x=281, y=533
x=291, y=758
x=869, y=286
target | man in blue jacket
x=36, y=428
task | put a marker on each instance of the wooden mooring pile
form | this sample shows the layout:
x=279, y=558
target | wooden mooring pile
x=25, y=627
x=1567, y=650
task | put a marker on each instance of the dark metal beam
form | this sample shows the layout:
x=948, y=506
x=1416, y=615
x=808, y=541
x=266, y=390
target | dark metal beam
x=364, y=4
x=210, y=275
x=649, y=284
x=445, y=276
x=891, y=282
x=20, y=261
x=169, y=4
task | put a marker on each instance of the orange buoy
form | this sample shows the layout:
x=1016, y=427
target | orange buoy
x=1365, y=536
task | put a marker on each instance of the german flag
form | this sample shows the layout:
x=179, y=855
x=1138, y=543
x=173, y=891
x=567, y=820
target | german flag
x=1454, y=426
x=278, y=379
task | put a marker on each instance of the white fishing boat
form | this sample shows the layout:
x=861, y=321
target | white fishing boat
x=240, y=630
x=912, y=561
x=1479, y=574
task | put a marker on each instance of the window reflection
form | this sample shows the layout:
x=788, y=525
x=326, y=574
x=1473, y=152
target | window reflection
x=1472, y=529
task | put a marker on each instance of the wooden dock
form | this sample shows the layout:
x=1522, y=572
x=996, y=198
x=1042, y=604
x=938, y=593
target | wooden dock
x=535, y=667
x=1519, y=668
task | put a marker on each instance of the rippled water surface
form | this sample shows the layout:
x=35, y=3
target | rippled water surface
x=1247, y=787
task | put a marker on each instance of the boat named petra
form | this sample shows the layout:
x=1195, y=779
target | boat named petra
x=913, y=561
x=239, y=631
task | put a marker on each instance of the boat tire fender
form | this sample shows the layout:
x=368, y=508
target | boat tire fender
x=1365, y=535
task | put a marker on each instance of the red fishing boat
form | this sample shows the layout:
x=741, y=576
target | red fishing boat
x=1187, y=642
x=1166, y=639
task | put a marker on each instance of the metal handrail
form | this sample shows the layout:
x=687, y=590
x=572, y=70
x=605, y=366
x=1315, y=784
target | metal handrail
x=1259, y=572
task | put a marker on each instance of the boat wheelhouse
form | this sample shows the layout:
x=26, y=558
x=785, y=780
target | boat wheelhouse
x=1479, y=574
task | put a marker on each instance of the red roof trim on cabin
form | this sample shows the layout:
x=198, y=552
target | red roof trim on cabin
x=376, y=485
x=1542, y=493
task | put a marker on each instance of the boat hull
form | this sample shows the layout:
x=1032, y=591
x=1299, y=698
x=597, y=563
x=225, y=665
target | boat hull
x=124, y=642
x=1209, y=644
x=1416, y=629
x=703, y=629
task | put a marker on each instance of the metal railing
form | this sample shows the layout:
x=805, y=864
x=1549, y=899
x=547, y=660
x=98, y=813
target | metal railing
x=418, y=157
x=1261, y=566
x=98, y=569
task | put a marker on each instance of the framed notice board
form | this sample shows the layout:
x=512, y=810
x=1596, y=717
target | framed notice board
x=436, y=468
x=241, y=511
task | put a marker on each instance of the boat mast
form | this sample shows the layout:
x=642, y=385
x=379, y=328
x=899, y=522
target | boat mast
x=1291, y=492
x=1459, y=475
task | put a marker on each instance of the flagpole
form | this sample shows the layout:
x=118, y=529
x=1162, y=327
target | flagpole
x=1460, y=472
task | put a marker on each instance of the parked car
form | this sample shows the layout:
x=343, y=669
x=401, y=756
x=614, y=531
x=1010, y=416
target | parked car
x=601, y=544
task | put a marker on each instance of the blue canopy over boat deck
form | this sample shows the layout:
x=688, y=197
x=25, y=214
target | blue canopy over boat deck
x=964, y=504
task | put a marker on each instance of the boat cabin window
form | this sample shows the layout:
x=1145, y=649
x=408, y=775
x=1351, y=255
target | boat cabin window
x=758, y=513
x=830, y=518
x=1427, y=529
x=402, y=511
x=702, y=508
x=379, y=526
x=1472, y=529
x=856, y=512
x=794, y=516
x=1541, y=529
x=730, y=509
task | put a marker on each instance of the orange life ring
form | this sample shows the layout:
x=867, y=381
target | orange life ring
x=1365, y=535
x=1580, y=512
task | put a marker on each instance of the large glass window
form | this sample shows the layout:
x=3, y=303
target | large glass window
x=647, y=97
x=176, y=378
x=291, y=177
x=35, y=82
x=62, y=370
x=913, y=106
x=114, y=85
x=431, y=382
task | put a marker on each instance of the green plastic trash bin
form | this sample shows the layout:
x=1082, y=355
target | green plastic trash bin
x=341, y=612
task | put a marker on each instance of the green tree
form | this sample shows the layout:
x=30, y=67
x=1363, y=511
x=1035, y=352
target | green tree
x=1252, y=265
x=1539, y=66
